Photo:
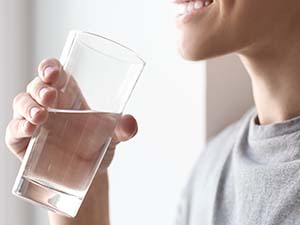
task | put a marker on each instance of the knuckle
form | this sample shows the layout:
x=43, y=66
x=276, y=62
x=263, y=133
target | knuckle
x=13, y=128
x=24, y=103
x=18, y=98
x=28, y=87
x=19, y=128
x=31, y=85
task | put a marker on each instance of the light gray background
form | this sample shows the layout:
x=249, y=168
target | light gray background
x=178, y=104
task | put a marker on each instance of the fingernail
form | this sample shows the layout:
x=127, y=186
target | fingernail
x=43, y=91
x=134, y=133
x=34, y=111
x=49, y=70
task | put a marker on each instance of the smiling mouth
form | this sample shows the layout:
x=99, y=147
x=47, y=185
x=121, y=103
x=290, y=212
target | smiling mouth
x=187, y=7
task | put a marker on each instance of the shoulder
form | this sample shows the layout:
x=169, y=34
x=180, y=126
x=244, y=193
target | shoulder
x=213, y=157
x=198, y=194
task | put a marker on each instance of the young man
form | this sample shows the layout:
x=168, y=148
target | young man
x=250, y=172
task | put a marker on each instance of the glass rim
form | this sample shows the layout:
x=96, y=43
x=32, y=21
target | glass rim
x=131, y=51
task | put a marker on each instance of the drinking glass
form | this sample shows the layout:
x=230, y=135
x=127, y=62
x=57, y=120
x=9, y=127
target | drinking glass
x=65, y=153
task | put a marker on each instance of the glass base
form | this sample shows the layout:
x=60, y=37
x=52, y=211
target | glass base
x=54, y=200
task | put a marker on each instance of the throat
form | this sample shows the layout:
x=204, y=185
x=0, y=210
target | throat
x=275, y=78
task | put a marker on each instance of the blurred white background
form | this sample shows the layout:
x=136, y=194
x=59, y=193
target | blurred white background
x=178, y=104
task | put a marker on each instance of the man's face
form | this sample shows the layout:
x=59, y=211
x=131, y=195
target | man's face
x=225, y=26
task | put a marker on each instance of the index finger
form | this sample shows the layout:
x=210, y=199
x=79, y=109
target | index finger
x=52, y=72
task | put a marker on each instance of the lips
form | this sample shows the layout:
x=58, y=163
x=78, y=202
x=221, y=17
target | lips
x=186, y=7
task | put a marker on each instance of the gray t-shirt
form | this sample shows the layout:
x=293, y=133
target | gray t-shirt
x=249, y=174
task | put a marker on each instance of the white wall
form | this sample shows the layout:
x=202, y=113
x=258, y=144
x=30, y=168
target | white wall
x=13, y=76
x=229, y=93
x=148, y=172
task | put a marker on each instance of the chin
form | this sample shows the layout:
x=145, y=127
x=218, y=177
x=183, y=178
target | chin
x=196, y=49
x=193, y=53
x=193, y=49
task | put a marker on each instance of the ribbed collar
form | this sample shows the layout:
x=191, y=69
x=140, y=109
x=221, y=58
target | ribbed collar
x=273, y=143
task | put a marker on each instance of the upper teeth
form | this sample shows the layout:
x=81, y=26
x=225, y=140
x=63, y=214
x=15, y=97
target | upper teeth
x=198, y=4
x=188, y=7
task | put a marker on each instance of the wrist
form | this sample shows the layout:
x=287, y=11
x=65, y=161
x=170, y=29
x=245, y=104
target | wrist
x=100, y=179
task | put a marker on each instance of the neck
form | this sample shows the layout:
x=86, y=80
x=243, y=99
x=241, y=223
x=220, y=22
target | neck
x=275, y=77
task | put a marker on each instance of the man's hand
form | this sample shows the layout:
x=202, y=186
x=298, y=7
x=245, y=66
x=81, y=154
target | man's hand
x=30, y=111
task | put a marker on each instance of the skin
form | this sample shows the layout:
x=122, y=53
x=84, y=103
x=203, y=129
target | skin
x=264, y=34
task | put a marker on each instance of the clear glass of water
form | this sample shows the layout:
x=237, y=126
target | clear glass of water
x=65, y=153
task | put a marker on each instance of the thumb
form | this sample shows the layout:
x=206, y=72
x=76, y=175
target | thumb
x=126, y=128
